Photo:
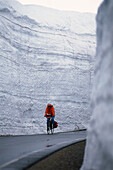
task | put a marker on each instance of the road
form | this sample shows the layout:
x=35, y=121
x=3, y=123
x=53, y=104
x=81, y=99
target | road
x=21, y=151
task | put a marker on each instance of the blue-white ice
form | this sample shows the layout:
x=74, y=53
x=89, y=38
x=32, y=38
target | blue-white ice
x=46, y=56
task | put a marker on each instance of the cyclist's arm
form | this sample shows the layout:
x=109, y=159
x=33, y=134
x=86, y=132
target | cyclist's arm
x=53, y=112
x=46, y=111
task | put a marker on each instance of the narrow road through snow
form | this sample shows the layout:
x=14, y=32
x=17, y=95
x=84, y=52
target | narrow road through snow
x=21, y=151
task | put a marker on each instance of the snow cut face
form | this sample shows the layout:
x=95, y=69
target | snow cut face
x=43, y=61
x=99, y=149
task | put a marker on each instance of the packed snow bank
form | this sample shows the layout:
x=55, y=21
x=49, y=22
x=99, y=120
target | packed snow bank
x=99, y=149
x=46, y=56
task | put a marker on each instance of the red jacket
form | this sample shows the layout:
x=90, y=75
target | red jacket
x=50, y=111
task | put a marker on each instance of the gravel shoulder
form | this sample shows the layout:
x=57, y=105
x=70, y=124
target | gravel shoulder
x=68, y=158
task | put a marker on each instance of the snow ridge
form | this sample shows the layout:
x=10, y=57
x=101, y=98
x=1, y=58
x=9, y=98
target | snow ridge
x=44, y=60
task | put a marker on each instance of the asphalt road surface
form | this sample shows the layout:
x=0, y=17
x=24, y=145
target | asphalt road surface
x=21, y=151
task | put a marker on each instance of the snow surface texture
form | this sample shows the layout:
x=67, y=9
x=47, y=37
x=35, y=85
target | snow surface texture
x=99, y=149
x=46, y=56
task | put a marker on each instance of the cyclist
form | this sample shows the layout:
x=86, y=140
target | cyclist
x=50, y=113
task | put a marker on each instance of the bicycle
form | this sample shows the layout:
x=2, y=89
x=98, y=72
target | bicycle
x=50, y=126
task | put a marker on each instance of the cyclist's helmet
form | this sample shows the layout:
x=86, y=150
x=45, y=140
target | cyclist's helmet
x=49, y=105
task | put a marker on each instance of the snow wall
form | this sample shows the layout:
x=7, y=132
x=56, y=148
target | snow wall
x=46, y=56
x=99, y=148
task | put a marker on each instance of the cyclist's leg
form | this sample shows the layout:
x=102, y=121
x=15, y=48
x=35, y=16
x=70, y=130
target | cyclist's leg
x=53, y=119
x=48, y=121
